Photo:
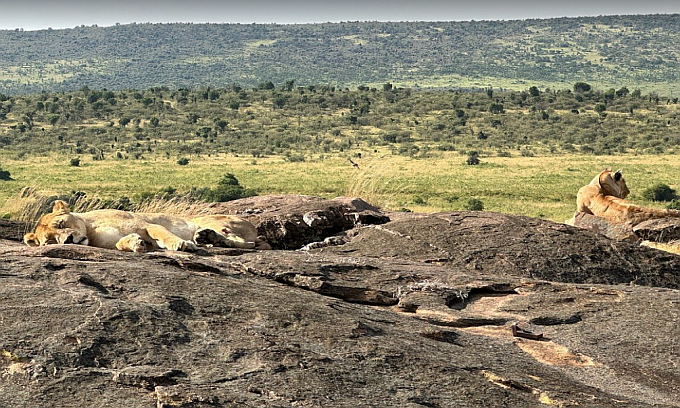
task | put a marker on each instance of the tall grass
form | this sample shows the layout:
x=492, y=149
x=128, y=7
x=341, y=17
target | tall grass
x=376, y=182
x=535, y=186
x=30, y=204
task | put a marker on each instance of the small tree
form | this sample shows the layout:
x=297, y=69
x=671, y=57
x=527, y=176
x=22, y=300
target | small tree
x=622, y=92
x=4, y=175
x=473, y=159
x=221, y=124
x=474, y=204
x=581, y=87
x=496, y=108
x=279, y=101
x=610, y=94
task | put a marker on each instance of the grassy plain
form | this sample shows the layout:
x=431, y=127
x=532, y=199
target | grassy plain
x=535, y=186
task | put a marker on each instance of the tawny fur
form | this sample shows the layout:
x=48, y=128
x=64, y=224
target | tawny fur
x=139, y=232
x=605, y=197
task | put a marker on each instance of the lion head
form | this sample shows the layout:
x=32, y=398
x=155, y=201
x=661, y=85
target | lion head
x=612, y=183
x=58, y=227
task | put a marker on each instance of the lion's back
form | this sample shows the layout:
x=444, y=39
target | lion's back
x=129, y=222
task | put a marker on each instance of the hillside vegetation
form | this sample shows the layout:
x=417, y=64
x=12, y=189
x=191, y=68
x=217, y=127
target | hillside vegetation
x=640, y=51
x=305, y=122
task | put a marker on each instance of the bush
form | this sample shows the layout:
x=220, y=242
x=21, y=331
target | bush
x=474, y=204
x=294, y=158
x=526, y=152
x=75, y=162
x=183, y=161
x=473, y=159
x=228, y=188
x=4, y=175
x=659, y=192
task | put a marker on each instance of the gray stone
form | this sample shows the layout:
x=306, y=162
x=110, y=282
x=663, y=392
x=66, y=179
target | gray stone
x=659, y=230
x=415, y=312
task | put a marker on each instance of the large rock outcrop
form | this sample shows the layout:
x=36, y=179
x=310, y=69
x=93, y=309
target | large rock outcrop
x=415, y=312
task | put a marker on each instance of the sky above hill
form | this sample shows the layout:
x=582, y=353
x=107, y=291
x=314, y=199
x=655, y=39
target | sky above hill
x=42, y=14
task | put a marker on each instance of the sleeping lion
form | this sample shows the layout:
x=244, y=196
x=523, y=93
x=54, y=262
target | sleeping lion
x=605, y=197
x=140, y=232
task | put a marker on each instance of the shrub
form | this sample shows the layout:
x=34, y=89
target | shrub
x=473, y=159
x=4, y=175
x=474, y=204
x=526, y=152
x=183, y=161
x=294, y=158
x=75, y=162
x=659, y=192
x=228, y=188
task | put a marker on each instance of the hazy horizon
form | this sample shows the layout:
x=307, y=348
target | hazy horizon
x=43, y=14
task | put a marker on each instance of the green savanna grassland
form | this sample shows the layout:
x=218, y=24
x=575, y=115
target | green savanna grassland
x=127, y=112
x=536, y=147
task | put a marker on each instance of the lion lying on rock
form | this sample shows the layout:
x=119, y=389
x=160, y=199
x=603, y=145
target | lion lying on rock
x=139, y=232
x=605, y=197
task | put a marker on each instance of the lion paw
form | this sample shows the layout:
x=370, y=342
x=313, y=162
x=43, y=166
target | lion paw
x=207, y=236
x=131, y=243
x=182, y=245
x=138, y=245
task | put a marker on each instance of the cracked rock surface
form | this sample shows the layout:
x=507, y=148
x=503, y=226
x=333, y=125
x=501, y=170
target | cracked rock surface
x=415, y=312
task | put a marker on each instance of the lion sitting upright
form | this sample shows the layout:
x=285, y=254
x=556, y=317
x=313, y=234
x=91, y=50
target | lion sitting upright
x=605, y=197
x=139, y=232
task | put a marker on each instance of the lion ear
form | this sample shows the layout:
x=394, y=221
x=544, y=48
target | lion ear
x=618, y=175
x=598, y=179
x=31, y=239
x=59, y=208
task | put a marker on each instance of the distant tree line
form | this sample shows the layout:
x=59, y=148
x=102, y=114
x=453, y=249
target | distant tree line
x=304, y=122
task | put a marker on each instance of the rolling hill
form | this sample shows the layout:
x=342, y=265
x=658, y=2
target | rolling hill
x=610, y=51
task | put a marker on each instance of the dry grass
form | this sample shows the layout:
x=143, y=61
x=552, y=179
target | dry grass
x=535, y=186
x=376, y=183
x=30, y=204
